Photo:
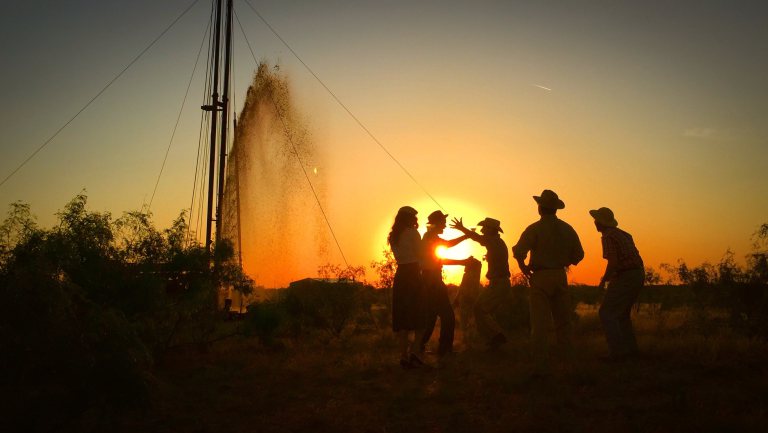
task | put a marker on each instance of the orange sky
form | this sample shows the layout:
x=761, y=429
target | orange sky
x=655, y=112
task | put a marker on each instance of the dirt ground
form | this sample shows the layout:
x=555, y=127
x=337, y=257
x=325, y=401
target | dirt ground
x=686, y=381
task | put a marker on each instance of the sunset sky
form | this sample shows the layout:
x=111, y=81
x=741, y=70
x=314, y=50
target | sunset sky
x=658, y=110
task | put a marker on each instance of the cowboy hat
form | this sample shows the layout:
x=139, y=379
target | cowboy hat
x=437, y=217
x=491, y=223
x=604, y=216
x=549, y=200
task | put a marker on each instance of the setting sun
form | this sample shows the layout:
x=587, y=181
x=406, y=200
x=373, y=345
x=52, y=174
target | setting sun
x=461, y=251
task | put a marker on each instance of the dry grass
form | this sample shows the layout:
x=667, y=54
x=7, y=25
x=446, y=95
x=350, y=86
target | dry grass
x=689, y=382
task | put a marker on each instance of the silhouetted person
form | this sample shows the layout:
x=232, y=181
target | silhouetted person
x=498, y=275
x=554, y=246
x=469, y=290
x=625, y=276
x=408, y=310
x=438, y=303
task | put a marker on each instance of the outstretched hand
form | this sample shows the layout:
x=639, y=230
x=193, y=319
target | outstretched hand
x=458, y=224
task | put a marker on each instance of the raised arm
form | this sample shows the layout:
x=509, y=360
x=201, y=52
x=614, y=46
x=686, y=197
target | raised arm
x=458, y=224
x=454, y=242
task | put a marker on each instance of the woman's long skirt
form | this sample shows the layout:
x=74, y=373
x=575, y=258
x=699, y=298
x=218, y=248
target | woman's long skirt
x=408, y=303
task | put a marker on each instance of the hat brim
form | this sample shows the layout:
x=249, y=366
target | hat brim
x=558, y=204
x=602, y=220
x=482, y=224
x=440, y=218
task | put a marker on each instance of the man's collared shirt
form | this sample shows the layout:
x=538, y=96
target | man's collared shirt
x=552, y=242
x=497, y=254
x=429, y=259
x=620, y=251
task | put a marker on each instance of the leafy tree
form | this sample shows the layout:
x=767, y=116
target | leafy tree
x=19, y=225
x=385, y=269
x=652, y=278
x=349, y=273
x=758, y=259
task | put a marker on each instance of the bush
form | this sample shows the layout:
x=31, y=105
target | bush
x=63, y=353
x=89, y=304
x=263, y=319
x=330, y=306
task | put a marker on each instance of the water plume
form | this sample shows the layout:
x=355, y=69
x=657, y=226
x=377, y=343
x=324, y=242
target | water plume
x=269, y=212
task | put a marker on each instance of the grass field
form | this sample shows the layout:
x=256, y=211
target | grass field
x=689, y=380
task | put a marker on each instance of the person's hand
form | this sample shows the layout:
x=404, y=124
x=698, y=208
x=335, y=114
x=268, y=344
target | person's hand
x=458, y=224
x=526, y=270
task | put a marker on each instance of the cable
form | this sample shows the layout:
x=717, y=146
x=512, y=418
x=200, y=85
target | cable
x=296, y=152
x=55, y=134
x=370, y=134
x=178, y=118
x=202, y=137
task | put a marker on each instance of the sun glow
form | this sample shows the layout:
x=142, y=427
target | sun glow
x=457, y=252
x=455, y=208
x=461, y=251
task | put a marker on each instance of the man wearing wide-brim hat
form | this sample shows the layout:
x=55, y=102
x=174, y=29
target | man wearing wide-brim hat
x=498, y=275
x=553, y=245
x=625, y=276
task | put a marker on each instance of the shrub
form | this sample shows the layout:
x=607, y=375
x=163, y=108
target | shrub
x=88, y=304
x=263, y=319
x=329, y=306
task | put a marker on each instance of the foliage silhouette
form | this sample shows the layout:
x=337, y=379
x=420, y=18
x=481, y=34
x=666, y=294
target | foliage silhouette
x=89, y=304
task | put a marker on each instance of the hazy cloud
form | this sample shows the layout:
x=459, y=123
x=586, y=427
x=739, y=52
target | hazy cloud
x=706, y=134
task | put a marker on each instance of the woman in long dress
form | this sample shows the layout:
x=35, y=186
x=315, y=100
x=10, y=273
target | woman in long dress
x=408, y=310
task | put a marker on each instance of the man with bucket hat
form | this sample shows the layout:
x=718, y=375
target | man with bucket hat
x=438, y=304
x=625, y=275
x=498, y=275
x=553, y=245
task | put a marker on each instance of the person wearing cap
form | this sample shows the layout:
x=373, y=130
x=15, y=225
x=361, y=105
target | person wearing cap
x=498, y=276
x=625, y=276
x=408, y=309
x=437, y=300
x=553, y=246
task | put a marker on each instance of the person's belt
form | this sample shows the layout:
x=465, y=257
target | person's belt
x=543, y=268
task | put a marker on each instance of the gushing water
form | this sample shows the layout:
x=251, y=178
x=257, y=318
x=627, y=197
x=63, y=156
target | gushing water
x=269, y=212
